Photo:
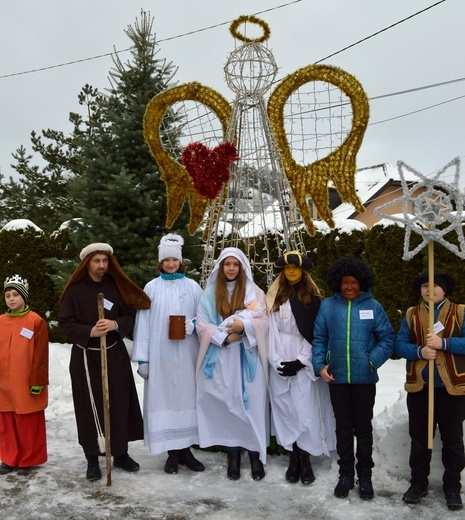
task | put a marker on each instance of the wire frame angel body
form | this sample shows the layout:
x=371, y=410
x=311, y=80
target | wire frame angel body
x=274, y=186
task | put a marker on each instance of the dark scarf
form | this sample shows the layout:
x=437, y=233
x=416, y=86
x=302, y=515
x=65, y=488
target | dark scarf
x=304, y=316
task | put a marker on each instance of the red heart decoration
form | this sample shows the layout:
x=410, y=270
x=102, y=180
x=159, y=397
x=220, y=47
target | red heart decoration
x=209, y=169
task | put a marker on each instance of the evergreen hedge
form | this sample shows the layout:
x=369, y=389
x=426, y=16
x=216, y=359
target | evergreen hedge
x=48, y=261
x=25, y=252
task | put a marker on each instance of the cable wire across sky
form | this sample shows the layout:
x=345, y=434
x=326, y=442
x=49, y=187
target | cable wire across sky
x=391, y=94
x=74, y=62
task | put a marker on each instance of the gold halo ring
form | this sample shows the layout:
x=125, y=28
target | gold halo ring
x=233, y=29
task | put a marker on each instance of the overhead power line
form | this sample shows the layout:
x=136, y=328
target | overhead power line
x=416, y=111
x=74, y=62
x=41, y=69
x=381, y=31
x=416, y=89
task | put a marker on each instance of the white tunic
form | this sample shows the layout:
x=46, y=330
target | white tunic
x=170, y=417
x=300, y=404
x=224, y=419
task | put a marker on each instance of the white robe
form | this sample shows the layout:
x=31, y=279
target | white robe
x=300, y=405
x=170, y=417
x=223, y=418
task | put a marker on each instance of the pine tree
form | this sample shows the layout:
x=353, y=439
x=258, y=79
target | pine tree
x=42, y=193
x=122, y=200
x=101, y=177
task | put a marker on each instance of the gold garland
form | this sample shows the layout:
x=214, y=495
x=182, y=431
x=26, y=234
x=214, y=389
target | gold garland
x=233, y=29
x=339, y=166
x=178, y=183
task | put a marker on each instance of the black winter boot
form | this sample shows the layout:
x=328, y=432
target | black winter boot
x=365, y=488
x=93, y=469
x=4, y=469
x=171, y=464
x=234, y=464
x=256, y=465
x=293, y=471
x=125, y=462
x=187, y=459
x=344, y=485
x=306, y=472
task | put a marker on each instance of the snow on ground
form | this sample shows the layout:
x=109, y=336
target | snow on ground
x=59, y=488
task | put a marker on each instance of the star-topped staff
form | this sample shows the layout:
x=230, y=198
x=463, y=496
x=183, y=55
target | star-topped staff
x=436, y=210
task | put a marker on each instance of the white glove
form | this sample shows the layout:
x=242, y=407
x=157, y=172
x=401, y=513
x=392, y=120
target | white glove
x=189, y=327
x=143, y=370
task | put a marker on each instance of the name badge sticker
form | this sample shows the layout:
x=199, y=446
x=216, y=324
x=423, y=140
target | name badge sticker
x=282, y=312
x=107, y=304
x=438, y=326
x=366, y=315
x=27, y=333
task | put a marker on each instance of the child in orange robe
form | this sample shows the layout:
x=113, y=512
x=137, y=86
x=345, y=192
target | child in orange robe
x=23, y=381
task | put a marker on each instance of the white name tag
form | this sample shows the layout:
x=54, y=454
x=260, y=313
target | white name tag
x=26, y=333
x=107, y=304
x=366, y=315
x=438, y=326
x=283, y=311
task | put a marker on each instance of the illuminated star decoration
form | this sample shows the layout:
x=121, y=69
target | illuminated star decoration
x=432, y=208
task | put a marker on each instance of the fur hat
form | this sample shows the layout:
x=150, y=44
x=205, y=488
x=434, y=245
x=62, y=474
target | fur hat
x=295, y=258
x=94, y=248
x=170, y=247
x=445, y=281
x=19, y=284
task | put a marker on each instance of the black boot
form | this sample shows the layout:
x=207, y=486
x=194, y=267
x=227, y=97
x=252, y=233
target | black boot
x=93, y=469
x=187, y=459
x=256, y=465
x=125, y=462
x=4, y=469
x=234, y=464
x=365, y=488
x=306, y=471
x=171, y=464
x=293, y=471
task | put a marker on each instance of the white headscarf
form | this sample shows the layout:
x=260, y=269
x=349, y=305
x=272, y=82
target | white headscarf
x=250, y=292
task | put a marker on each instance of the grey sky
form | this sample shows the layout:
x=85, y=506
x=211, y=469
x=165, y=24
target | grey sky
x=425, y=50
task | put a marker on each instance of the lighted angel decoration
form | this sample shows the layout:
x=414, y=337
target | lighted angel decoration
x=240, y=170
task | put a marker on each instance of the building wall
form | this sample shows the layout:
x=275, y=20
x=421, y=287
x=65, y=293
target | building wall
x=389, y=194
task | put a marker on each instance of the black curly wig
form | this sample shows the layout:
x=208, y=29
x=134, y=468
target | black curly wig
x=350, y=266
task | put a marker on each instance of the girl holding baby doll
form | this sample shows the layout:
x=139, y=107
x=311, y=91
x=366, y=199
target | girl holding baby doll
x=232, y=402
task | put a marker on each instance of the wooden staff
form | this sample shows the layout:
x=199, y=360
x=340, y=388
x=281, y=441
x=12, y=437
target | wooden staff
x=431, y=331
x=105, y=392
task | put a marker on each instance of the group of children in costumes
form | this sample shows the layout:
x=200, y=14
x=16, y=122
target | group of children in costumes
x=314, y=359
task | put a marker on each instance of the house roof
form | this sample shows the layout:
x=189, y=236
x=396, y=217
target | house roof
x=371, y=182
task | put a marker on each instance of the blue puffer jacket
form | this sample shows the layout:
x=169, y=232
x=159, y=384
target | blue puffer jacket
x=353, y=337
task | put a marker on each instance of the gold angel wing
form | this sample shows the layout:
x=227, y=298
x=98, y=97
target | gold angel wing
x=178, y=184
x=339, y=166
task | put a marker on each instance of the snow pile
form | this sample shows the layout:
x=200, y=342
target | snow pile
x=59, y=488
